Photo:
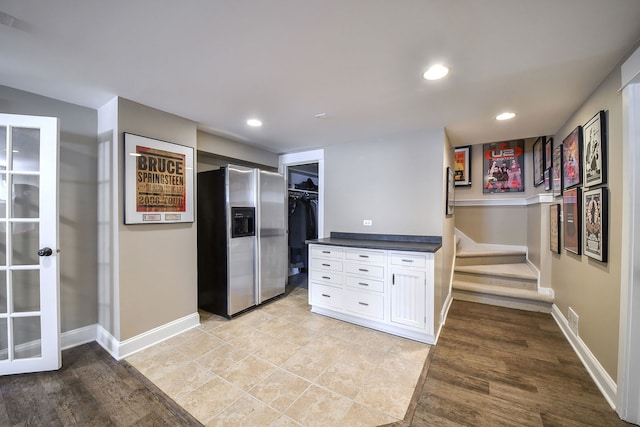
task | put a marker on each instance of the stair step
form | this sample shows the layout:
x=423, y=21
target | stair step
x=502, y=296
x=490, y=257
x=519, y=275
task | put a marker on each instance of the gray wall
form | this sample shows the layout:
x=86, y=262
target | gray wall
x=395, y=181
x=78, y=201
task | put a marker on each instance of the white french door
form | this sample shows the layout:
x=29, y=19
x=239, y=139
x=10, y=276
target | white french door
x=29, y=292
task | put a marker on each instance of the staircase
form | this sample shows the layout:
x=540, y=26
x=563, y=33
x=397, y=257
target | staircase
x=498, y=277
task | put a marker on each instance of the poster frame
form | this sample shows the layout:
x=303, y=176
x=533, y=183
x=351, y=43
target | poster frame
x=450, y=192
x=463, y=173
x=554, y=228
x=596, y=228
x=539, y=161
x=498, y=178
x=157, y=215
x=572, y=220
x=595, y=152
x=572, y=159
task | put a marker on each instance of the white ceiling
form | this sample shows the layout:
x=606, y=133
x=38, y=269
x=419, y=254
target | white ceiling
x=219, y=62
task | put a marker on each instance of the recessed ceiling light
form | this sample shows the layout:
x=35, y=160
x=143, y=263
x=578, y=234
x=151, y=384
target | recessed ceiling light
x=436, y=72
x=505, y=116
x=254, y=123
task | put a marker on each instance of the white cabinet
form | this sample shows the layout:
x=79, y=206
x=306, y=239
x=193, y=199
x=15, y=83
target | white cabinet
x=391, y=291
x=408, y=297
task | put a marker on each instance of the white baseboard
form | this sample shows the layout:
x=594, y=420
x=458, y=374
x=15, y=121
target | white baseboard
x=120, y=350
x=78, y=336
x=603, y=381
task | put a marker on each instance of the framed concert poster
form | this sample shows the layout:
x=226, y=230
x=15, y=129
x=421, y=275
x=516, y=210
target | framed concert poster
x=595, y=151
x=547, y=179
x=556, y=171
x=571, y=208
x=554, y=228
x=548, y=148
x=503, y=166
x=538, y=161
x=596, y=223
x=572, y=159
x=450, y=190
x=159, y=181
x=462, y=158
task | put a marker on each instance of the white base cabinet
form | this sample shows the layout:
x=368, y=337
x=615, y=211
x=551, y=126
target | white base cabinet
x=391, y=291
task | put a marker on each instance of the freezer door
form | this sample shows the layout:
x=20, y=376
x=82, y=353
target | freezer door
x=242, y=274
x=272, y=255
x=241, y=192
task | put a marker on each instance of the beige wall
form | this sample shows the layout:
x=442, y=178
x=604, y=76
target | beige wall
x=500, y=225
x=396, y=182
x=77, y=201
x=229, y=149
x=444, y=257
x=589, y=287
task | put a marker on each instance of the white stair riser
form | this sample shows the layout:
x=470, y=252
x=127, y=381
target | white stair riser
x=491, y=259
x=503, y=301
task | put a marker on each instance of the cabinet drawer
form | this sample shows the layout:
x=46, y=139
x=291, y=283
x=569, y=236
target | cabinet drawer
x=327, y=277
x=327, y=296
x=365, y=283
x=364, y=270
x=364, y=303
x=418, y=261
x=322, y=251
x=365, y=256
x=326, y=264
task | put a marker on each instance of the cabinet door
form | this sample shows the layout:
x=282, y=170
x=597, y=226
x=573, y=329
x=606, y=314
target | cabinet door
x=408, y=297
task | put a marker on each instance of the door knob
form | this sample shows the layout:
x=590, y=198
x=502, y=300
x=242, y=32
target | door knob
x=45, y=252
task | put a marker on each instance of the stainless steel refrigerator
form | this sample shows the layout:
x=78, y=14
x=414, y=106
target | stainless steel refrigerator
x=241, y=238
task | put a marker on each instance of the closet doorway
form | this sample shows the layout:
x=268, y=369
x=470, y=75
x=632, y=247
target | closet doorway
x=304, y=173
x=303, y=193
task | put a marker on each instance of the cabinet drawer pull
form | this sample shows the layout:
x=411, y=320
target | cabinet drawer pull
x=363, y=303
x=325, y=295
x=363, y=256
x=407, y=260
x=326, y=265
x=363, y=269
x=363, y=284
x=326, y=252
x=326, y=277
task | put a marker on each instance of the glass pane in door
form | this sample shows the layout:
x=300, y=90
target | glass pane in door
x=24, y=243
x=26, y=149
x=26, y=290
x=25, y=202
x=4, y=339
x=3, y=292
x=26, y=337
x=3, y=168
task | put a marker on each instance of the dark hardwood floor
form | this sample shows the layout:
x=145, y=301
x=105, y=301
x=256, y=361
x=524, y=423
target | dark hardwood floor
x=495, y=366
x=91, y=389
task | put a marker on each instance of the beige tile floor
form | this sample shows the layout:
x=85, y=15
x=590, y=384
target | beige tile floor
x=281, y=365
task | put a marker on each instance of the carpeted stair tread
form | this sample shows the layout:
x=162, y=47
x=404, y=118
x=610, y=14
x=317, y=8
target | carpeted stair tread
x=501, y=291
x=488, y=253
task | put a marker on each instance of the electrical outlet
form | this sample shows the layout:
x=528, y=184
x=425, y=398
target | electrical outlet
x=367, y=222
x=573, y=321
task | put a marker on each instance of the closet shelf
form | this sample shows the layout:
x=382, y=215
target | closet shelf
x=297, y=190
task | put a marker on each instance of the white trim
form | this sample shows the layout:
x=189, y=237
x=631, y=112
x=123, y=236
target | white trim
x=630, y=69
x=603, y=381
x=628, y=342
x=400, y=331
x=120, y=350
x=79, y=336
x=520, y=201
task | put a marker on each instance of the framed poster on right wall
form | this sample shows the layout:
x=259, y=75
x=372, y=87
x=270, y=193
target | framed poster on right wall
x=571, y=211
x=572, y=159
x=595, y=151
x=554, y=228
x=596, y=223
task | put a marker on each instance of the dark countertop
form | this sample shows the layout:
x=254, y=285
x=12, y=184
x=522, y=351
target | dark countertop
x=393, y=242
